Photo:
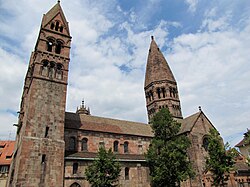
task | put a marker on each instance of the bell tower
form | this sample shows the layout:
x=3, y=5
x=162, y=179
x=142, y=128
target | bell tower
x=38, y=160
x=160, y=85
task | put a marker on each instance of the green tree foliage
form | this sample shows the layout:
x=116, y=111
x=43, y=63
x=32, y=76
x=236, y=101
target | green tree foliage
x=219, y=161
x=167, y=156
x=247, y=142
x=104, y=171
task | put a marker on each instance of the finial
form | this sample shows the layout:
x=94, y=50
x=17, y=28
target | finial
x=152, y=37
x=199, y=108
x=82, y=102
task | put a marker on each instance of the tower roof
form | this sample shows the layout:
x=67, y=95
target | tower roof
x=52, y=13
x=157, y=66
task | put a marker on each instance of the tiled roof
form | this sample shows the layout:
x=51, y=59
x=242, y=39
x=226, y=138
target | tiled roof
x=188, y=123
x=101, y=124
x=6, y=152
x=91, y=155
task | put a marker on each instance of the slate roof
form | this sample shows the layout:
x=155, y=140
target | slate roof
x=101, y=124
x=6, y=152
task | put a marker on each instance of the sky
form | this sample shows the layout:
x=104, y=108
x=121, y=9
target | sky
x=206, y=43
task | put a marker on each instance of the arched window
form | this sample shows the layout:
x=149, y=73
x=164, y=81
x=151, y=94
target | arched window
x=163, y=92
x=125, y=147
x=49, y=45
x=52, y=69
x=159, y=93
x=75, y=184
x=116, y=146
x=126, y=173
x=205, y=143
x=84, y=144
x=75, y=168
x=72, y=143
x=57, y=26
x=58, y=47
x=61, y=29
x=59, y=72
x=44, y=68
x=52, y=25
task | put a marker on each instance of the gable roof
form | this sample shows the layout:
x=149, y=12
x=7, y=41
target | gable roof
x=101, y=124
x=53, y=12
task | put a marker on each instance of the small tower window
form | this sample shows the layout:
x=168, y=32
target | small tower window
x=159, y=93
x=43, y=159
x=116, y=146
x=72, y=144
x=58, y=47
x=84, y=144
x=101, y=144
x=163, y=92
x=61, y=29
x=75, y=168
x=57, y=26
x=46, y=132
x=52, y=25
x=49, y=46
x=126, y=173
x=125, y=147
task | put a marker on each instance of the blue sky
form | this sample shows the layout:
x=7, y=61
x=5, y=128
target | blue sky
x=206, y=44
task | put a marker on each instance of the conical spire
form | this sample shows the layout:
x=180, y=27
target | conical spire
x=157, y=66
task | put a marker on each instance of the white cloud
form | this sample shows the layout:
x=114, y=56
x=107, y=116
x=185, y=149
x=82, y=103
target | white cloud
x=192, y=4
x=211, y=64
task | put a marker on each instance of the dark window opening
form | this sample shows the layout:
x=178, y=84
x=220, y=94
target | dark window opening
x=46, y=132
x=159, y=93
x=205, y=143
x=49, y=46
x=52, y=64
x=125, y=147
x=57, y=26
x=75, y=168
x=72, y=143
x=163, y=92
x=75, y=185
x=59, y=66
x=58, y=48
x=43, y=158
x=116, y=146
x=52, y=25
x=61, y=29
x=126, y=173
x=45, y=63
x=84, y=144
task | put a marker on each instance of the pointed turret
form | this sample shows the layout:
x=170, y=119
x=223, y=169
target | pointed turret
x=157, y=66
x=160, y=85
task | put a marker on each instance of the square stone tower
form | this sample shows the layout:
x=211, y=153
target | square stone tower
x=39, y=151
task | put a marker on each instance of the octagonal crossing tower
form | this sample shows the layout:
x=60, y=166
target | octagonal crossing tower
x=39, y=152
x=160, y=85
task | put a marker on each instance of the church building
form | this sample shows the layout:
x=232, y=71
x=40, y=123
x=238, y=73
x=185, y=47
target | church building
x=54, y=147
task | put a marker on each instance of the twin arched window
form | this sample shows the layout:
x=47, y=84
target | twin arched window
x=51, y=69
x=57, y=43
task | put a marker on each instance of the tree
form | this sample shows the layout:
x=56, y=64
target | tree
x=104, y=171
x=247, y=142
x=219, y=162
x=167, y=156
